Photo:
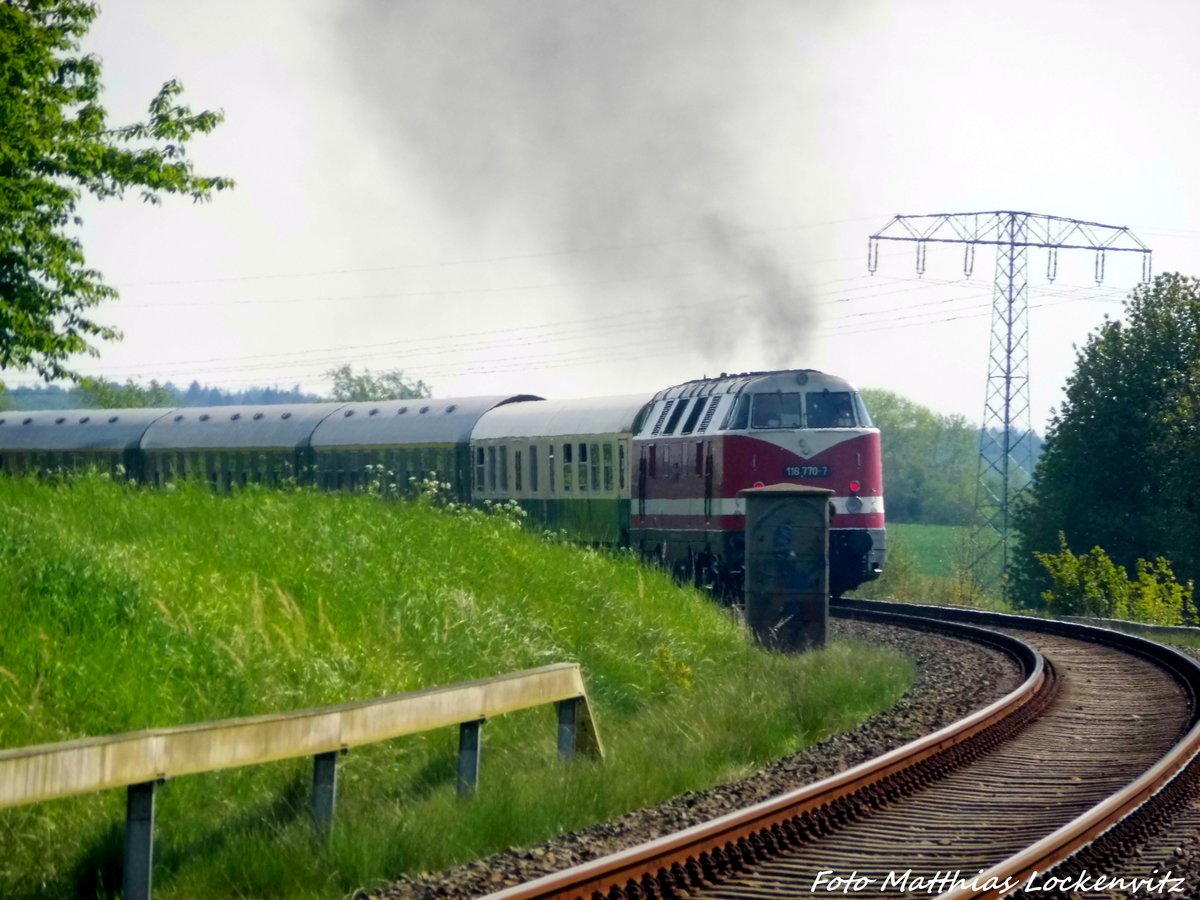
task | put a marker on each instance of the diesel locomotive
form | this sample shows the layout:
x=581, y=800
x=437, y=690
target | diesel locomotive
x=658, y=474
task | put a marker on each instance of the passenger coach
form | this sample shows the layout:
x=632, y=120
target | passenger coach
x=565, y=461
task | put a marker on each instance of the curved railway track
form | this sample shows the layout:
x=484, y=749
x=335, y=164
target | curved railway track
x=1064, y=771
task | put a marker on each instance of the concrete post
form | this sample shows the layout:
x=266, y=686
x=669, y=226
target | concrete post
x=139, y=841
x=470, y=746
x=787, y=565
x=568, y=726
x=324, y=792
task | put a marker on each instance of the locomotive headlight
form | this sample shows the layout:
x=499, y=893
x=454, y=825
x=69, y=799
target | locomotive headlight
x=855, y=487
x=854, y=504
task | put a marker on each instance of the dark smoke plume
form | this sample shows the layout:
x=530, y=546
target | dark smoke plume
x=595, y=124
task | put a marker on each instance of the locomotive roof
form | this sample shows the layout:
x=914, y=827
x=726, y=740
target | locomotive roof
x=75, y=429
x=594, y=415
x=271, y=427
x=779, y=379
x=422, y=421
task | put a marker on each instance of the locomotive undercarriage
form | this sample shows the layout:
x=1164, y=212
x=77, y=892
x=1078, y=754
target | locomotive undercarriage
x=715, y=561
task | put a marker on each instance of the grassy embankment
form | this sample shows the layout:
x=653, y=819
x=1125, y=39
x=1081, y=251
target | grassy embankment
x=125, y=608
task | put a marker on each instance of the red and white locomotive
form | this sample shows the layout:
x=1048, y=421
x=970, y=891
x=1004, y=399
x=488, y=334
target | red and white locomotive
x=695, y=445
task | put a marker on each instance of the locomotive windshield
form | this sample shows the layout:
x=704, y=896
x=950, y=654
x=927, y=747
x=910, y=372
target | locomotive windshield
x=776, y=411
x=814, y=409
x=830, y=409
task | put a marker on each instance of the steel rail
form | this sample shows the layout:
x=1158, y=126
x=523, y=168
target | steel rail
x=1058, y=846
x=686, y=849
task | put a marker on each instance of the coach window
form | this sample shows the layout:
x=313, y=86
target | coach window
x=652, y=461
x=503, y=468
x=699, y=457
x=830, y=409
x=517, y=471
x=491, y=463
x=533, y=469
x=480, y=456
x=608, y=459
x=568, y=468
x=621, y=465
x=776, y=411
x=595, y=451
x=550, y=466
x=583, y=458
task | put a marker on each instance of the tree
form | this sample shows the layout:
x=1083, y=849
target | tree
x=929, y=461
x=1121, y=465
x=97, y=393
x=389, y=385
x=55, y=144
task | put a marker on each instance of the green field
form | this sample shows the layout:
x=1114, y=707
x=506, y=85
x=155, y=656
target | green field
x=127, y=608
x=936, y=549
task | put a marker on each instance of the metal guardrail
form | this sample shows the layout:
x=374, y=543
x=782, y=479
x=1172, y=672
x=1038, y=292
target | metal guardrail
x=142, y=759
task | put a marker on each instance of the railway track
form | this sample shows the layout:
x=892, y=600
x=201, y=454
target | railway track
x=1067, y=770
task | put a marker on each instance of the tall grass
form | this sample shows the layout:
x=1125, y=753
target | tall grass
x=125, y=608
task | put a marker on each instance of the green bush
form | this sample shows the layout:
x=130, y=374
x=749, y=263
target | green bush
x=1093, y=585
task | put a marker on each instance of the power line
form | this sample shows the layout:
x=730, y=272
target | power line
x=541, y=254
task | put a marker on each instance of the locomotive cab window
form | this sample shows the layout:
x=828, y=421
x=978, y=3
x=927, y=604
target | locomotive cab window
x=738, y=418
x=694, y=416
x=776, y=411
x=676, y=415
x=830, y=409
x=860, y=409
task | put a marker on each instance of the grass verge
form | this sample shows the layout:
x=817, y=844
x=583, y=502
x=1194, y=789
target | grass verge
x=126, y=608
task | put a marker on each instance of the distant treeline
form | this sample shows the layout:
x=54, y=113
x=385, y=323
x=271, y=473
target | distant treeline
x=100, y=393
x=90, y=395
x=930, y=461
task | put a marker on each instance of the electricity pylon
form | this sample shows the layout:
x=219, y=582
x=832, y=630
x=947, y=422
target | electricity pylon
x=1005, y=446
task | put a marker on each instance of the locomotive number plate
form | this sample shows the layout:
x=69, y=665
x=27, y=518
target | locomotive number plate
x=806, y=471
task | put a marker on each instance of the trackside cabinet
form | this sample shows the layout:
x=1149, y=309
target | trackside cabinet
x=787, y=565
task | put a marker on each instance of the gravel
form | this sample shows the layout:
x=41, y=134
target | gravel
x=954, y=679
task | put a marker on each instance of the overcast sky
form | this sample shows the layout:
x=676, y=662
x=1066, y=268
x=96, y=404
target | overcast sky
x=575, y=199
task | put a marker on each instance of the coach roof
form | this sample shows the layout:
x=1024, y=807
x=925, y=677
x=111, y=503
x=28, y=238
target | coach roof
x=550, y=418
x=397, y=422
x=75, y=429
x=284, y=426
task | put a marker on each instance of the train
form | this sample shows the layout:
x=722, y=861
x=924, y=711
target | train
x=658, y=474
